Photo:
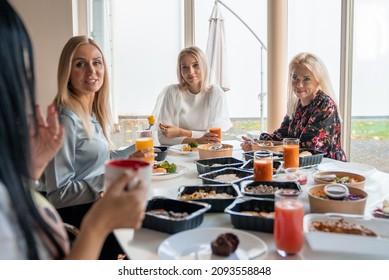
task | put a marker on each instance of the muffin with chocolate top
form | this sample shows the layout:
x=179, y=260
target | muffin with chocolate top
x=225, y=244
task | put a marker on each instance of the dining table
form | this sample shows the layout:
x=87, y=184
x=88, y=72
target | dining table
x=145, y=242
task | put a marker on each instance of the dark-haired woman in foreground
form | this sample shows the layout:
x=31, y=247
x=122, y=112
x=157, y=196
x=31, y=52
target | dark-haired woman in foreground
x=30, y=226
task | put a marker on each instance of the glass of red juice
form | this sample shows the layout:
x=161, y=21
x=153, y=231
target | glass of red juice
x=288, y=221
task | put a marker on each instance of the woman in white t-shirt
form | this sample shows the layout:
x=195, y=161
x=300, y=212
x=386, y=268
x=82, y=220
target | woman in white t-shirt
x=187, y=110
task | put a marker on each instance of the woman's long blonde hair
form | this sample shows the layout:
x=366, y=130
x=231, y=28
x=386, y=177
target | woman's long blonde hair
x=318, y=69
x=199, y=55
x=65, y=96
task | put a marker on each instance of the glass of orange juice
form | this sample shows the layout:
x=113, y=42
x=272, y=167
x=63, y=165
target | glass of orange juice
x=288, y=221
x=291, y=152
x=218, y=131
x=263, y=165
x=144, y=140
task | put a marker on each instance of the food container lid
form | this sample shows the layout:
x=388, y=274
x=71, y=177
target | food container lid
x=336, y=191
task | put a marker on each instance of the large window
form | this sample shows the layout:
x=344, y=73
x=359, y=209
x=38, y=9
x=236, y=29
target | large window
x=146, y=36
x=146, y=41
x=370, y=113
x=243, y=49
x=318, y=32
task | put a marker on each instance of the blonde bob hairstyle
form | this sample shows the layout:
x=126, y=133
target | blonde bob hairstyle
x=67, y=98
x=319, y=71
x=199, y=55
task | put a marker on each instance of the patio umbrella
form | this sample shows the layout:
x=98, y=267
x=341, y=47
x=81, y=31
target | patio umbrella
x=216, y=50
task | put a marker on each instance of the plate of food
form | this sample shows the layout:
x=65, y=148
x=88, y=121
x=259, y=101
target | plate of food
x=342, y=233
x=185, y=149
x=166, y=170
x=212, y=244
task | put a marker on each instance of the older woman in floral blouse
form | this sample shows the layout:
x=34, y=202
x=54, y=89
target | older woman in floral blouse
x=312, y=114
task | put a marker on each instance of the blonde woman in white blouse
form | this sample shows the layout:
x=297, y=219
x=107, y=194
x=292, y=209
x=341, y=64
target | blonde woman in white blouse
x=186, y=111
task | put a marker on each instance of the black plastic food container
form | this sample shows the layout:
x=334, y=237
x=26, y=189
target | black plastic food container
x=314, y=159
x=209, y=178
x=206, y=165
x=195, y=210
x=247, y=185
x=217, y=204
x=248, y=221
x=250, y=155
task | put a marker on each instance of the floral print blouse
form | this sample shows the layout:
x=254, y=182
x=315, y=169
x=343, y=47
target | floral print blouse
x=317, y=125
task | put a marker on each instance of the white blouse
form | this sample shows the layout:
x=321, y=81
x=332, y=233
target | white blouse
x=194, y=112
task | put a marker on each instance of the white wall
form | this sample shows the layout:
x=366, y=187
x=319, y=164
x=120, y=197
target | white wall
x=49, y=23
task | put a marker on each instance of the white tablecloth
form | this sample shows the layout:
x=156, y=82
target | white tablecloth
x=145, y=243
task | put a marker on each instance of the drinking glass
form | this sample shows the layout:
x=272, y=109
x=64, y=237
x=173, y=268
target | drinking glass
x=218, y=131
x=301, y=174
x=291, y=152
x=263, y=165
x=144, y=139
x=288, y=221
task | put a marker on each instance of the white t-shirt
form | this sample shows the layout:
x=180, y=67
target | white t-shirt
x=194, y=112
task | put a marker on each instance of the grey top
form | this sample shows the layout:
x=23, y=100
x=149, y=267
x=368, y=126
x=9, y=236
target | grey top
x=76, y=174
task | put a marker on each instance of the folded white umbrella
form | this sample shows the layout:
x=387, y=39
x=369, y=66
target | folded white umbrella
x=216, y=51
